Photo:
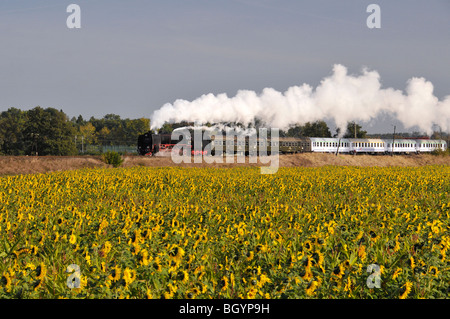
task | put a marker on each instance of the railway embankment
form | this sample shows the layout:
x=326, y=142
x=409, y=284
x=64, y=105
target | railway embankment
x=14, y=165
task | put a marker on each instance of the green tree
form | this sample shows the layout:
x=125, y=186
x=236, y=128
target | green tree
x=88, y=133
x=12, y=124
x=350, y=133
x=294, y=131
x=316, y=129
x=104, y=136
x=48, y=132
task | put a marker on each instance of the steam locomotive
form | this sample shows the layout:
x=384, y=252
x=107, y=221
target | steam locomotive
x=150, y=144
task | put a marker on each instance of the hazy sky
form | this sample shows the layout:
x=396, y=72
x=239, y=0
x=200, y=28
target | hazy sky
x=131, y=57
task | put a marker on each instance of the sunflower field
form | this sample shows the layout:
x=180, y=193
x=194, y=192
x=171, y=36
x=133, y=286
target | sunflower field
x=226, y=233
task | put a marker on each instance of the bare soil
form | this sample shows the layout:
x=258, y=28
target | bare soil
x=14, y=165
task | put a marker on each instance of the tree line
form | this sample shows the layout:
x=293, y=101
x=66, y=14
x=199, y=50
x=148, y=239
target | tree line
x=49, y=131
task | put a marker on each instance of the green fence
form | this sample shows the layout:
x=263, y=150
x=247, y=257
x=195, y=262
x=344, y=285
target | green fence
x=95, y=149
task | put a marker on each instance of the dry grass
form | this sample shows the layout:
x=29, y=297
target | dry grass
x=13, y=165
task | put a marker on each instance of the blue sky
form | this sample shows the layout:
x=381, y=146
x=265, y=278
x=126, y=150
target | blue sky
x=131, y=57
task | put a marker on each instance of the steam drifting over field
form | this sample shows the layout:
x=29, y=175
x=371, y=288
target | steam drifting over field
x=340, y=97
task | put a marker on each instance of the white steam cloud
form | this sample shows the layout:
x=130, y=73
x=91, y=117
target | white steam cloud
x=340, y=97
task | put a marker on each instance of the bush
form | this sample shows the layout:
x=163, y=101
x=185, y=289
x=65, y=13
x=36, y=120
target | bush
x=112, y=158
x=440, y=152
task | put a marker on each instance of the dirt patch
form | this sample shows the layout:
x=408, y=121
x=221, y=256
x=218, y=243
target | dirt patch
x=13, y=165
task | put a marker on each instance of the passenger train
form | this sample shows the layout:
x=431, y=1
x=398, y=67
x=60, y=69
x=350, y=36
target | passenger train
x=150, y=144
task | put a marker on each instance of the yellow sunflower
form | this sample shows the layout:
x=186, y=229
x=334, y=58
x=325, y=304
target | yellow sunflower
x=407, y=286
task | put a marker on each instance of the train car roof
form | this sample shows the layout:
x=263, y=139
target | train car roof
x=289, y=138
x=430, y=141
x=328, y=139
x=400, y=140
x=367, y=140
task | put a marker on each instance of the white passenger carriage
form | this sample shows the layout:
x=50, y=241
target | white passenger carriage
x=430, y=145
x=405, y=146
x=367, y=145
x=329, y=145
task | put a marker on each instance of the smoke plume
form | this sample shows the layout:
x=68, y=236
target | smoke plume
x=340, y=97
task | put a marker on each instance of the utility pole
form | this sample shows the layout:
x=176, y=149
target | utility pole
x=339, y=143
x=355, y=129
x=393, y=141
